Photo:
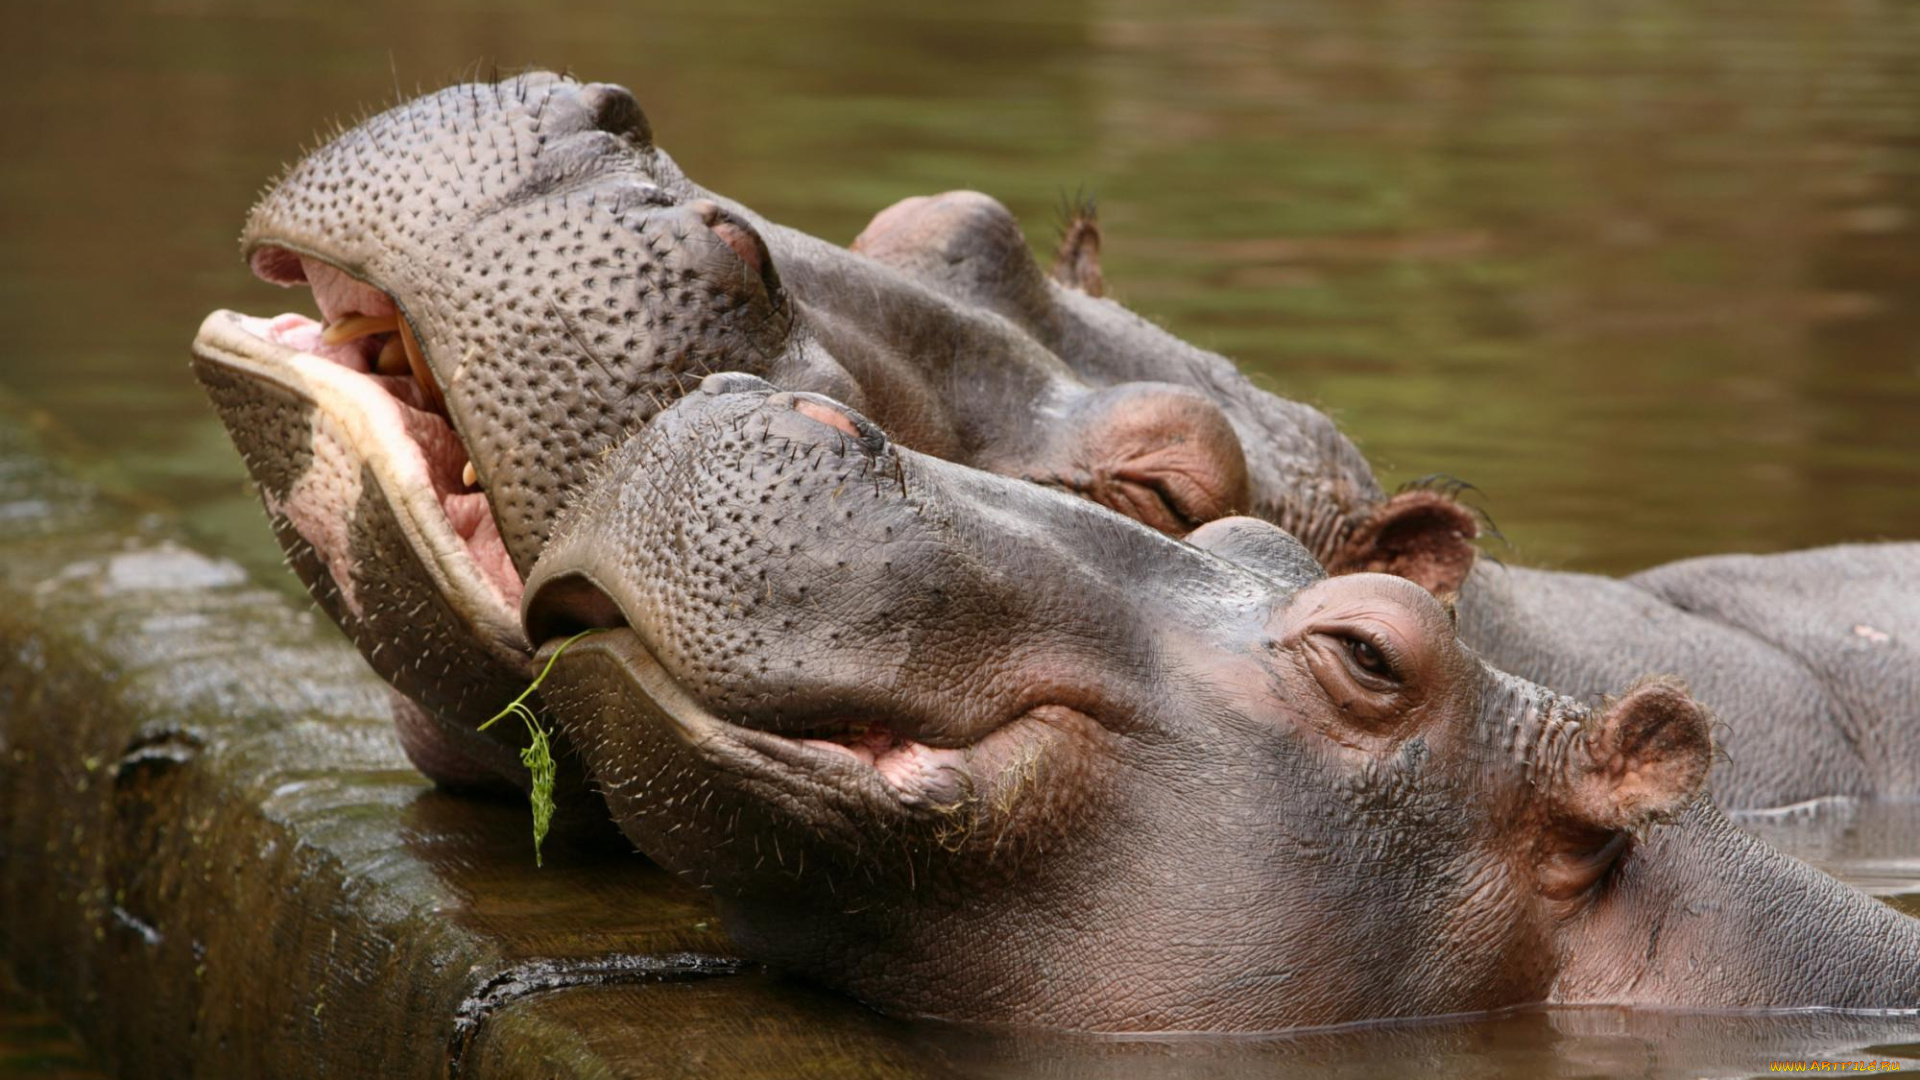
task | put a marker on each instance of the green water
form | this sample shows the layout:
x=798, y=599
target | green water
x=1642, y=271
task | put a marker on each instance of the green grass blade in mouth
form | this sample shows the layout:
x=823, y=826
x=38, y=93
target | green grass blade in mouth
x=537, y=755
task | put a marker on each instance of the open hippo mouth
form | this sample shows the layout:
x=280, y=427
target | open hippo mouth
x=363, y=373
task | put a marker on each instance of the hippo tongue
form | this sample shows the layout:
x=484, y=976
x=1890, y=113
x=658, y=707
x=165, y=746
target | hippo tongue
x=301, y=333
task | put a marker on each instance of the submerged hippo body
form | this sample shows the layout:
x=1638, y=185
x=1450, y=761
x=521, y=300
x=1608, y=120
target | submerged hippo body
x=967, y=748
x=1811, y=659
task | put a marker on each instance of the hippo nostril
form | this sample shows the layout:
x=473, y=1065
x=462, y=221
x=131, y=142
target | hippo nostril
x=568, y=603
x=613, y=110
x=722, y=383
x=836, y=416
x=736, y=234
x=827, y=415
x=743, y=243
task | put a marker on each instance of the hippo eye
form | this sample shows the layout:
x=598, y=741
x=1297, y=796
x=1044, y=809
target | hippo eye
x=1368, y=657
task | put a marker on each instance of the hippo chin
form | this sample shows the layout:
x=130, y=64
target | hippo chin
x=967, y=748
x=512, y=278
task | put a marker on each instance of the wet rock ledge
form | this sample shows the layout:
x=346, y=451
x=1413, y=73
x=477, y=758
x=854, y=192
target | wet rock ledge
x=215, y=861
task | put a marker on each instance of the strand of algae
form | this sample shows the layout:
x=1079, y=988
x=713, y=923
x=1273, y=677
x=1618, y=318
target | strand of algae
x=537, y=755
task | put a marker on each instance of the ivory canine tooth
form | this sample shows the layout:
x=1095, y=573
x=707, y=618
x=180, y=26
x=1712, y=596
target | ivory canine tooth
x=393, y=358
x=418, y=362
x=358, y=326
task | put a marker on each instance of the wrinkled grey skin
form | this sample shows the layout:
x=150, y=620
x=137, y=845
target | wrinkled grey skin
x=1811, y=659
x=1126, y=783
x=565, y=280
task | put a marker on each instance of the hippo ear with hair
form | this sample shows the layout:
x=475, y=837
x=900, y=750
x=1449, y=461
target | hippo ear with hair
x=1644, y=757
x=1423, y=536
x=1640, y=760
x=1160, y=454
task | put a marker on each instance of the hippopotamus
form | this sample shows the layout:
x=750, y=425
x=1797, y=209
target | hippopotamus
x=1811, y=659
x=968, y=748
x=525, y=246
x=512, y=278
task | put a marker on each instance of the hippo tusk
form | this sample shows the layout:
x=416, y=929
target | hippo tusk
x=393, y=358
x=357, y=326
x=421, y=372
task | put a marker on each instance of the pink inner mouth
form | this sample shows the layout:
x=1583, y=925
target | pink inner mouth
x=421, y=415
x=907, y=765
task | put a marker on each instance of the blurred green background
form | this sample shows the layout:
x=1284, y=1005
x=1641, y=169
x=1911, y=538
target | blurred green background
x=1645, y=275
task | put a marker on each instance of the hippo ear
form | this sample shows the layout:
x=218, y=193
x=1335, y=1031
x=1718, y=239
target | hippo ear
x=1259, y=546
x=1160, y=454
x=1422, y=536
x=1643, y=759
x=1076, y=262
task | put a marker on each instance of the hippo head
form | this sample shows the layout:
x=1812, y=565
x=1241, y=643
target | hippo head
x=509, y=277
x=971, y=748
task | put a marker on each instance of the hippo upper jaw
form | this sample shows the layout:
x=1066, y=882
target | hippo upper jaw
x=560, y=277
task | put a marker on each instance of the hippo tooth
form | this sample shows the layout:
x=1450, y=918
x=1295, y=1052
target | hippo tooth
x=358, y=326
x=436, y=402
x=468, y=477
x=393, y=358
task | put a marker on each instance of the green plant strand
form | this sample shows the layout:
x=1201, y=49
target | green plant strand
x=537, y=755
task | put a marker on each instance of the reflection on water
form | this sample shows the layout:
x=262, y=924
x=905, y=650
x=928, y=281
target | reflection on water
x=33, y=1041
x=1569, y=1043
x=1646, y=273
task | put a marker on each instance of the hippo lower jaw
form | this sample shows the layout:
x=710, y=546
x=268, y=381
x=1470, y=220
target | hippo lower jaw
x=393, y=425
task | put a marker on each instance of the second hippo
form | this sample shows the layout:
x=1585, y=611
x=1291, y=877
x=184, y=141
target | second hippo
x=1811, y=659
x=966, y=748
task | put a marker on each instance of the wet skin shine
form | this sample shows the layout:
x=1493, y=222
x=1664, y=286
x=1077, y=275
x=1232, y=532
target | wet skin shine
x=967, y=748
